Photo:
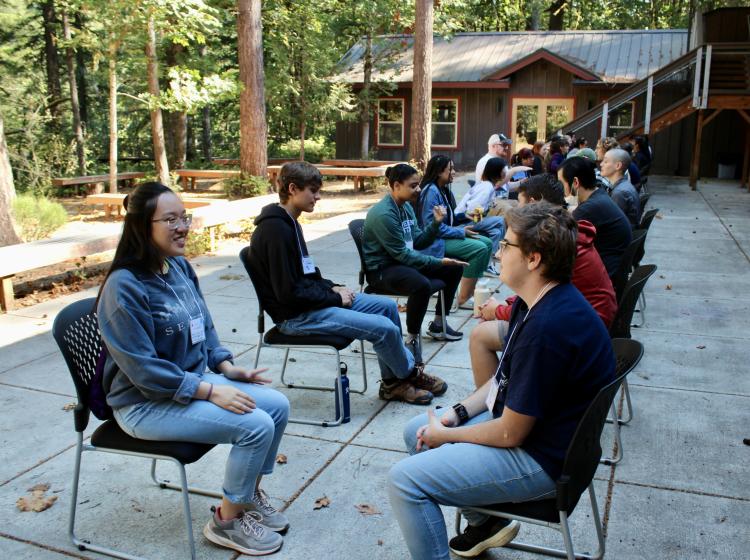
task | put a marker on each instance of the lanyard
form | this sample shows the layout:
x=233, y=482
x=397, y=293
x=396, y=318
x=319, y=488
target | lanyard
x=179, y=299
x=296, y=233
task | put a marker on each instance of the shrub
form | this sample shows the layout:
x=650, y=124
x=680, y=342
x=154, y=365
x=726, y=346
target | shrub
x=246, y=186
x=37, y=217
x=316, y=149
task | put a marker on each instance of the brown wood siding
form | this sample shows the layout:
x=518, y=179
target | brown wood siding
x=542, y=79
x=727, y=25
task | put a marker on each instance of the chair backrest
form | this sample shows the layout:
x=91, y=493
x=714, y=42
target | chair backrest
x=628, y=353
x=643, y=198
x=620, y=327
x=646, y=220
x=357, y=230
x=626, y=263
x=245, y=259
x=76, y=331
x=585, y=449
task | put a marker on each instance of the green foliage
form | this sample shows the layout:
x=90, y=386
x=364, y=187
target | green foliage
x=37, y=217
x=245, y=186
x=316, y=149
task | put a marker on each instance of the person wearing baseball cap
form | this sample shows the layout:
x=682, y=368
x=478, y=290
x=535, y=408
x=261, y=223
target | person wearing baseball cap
x=497, y=146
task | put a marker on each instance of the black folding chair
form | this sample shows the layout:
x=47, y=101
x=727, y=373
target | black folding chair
x=76, y=332
x=274, y=338
x=643, y=198
x=356, y=230
x=628, y=353
x=646, y=222
x=581, y=462
x=626, y=262
x=620, y=327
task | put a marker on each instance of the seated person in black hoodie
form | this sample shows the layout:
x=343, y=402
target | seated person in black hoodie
x=301, y=302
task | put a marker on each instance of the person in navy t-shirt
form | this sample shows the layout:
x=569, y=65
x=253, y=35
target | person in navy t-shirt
x=507, y=441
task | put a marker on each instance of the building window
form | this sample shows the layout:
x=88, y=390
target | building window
x=391, y=122
x=621, y=119
x=445, y=123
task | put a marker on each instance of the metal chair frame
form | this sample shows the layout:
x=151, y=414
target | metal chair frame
x=245, y=258
x=81, y=314
x=646, y=221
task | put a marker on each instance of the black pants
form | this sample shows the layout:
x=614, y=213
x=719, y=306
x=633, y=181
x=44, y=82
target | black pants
x=418, y=285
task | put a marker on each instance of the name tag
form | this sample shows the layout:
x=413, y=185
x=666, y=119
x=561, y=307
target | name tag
x=197, y=330
x=492, y=395
x=308, y=265
x=410, y=245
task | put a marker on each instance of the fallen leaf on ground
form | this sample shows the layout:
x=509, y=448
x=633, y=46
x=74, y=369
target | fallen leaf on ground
x=401, y=308
x=668, y=287
x=69, y=406
x=662, y=276
x=281, y=459
x=36, y=501
x=659, y=217
x=380, y=542
x=322, y=502
x=230, y=277
x=701, y=346
x=367, y=509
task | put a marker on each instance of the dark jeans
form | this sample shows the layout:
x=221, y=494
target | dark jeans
x=418, y=285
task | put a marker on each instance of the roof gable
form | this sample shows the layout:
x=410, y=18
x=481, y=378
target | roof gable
x=542, y=54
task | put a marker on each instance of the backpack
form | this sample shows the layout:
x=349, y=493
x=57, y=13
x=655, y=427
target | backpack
x=97, y=398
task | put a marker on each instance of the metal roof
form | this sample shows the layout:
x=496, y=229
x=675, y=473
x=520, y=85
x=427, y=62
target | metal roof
x=613, y=56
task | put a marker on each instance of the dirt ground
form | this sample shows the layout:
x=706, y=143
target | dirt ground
x=35, y=286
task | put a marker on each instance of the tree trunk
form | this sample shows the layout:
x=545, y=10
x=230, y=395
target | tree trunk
x=534, y=19
x=54, y=91
x=75, y=108
x=190, y=140
x=253, y=132
x=206, y=133
x=206, y=122
x=556, y=15
x=176, y=120
x=81, y=76
x=157, y=124
x=8, y=234
x=113, y=47
x=302, y=127
x=421, y=106
x=364, y=100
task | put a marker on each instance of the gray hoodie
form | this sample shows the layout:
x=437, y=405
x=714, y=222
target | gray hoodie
x=144, y=319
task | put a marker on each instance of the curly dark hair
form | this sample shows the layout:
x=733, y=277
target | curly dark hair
x=550, y=231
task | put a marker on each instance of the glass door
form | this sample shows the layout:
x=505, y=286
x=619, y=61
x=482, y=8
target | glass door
x=538, y=118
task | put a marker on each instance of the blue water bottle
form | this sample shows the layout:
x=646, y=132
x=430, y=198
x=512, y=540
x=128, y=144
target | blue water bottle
x=345, y=386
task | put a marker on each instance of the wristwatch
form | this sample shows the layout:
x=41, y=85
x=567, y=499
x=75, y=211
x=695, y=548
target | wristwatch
x=463, y=415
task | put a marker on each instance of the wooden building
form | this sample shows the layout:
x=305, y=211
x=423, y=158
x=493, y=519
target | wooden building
x=530, y=85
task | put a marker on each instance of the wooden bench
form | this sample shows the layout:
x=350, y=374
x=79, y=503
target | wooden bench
x=359, y=162
x=189, y=176
x=234, y=161
x=357, y=174
x=110, y=201
x=15, y=259
x=128, y=178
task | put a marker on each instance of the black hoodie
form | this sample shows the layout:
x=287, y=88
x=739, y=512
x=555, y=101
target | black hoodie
x=283, y=289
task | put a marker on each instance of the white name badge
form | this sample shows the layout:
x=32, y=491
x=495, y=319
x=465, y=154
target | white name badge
x=197, y=330
x=308, y=265
x=410, y=245
x=492, y=395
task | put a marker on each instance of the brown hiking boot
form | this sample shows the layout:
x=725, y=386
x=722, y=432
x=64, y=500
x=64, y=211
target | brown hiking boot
x=404, y=390
x=431, y=383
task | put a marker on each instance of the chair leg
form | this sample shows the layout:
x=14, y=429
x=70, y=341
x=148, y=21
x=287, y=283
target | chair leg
x=618, y=439
x=186, y=508
x=74, y=497
x=257, y=351
x=324, y=423
x=628, y=402
x=364, y=370
x=167, y=484
x=283, y=368
x=641, y=311
x=597, y=523
x=567, y=539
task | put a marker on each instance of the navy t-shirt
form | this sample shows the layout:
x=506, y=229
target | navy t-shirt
x=613, y=230
x=557, y=361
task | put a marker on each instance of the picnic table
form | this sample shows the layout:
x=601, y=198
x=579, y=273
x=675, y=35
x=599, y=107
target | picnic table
x=358, y=174
x=114, y=200
x=358, y=162
x=128, y=178
x=235, y=161
x=189, y=176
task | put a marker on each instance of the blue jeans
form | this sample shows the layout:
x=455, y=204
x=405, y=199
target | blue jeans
x=457, y=474
x=254, y=436
x=371, y=318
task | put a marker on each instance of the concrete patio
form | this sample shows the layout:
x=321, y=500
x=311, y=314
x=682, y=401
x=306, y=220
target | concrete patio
x=681, y=491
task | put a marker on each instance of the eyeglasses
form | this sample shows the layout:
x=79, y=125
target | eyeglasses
x=504, y=243
x=174, y=222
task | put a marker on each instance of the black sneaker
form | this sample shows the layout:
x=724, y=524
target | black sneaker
x=492, y=533
x=436, y=332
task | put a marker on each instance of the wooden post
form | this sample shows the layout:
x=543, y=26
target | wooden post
x=746, y=162
x=695, y=164
x=649, y=97
x=6, y=294
x=605, y=118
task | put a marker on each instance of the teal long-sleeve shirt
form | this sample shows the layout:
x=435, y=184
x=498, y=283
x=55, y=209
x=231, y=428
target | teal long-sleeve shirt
x=392, y=236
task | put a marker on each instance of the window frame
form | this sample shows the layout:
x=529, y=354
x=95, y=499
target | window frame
x=454, y=146
x=615, y=130
x=378, y=143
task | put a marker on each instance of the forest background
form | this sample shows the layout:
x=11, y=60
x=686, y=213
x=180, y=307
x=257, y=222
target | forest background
x=59, y=60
